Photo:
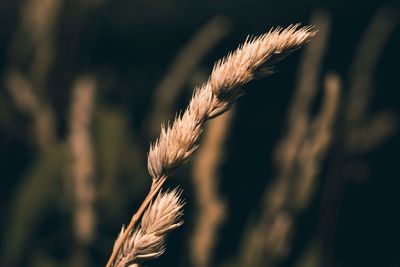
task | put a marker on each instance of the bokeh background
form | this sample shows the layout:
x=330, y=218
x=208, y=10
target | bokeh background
x=303, y=172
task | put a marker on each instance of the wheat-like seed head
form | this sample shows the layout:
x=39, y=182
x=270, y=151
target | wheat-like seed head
x=147, y=241
x=178, y=141
x=242, y=65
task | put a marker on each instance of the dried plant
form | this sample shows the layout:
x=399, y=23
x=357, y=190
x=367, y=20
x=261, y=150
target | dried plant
x=82, y=165
x=178, y=141
x=268, y=241
x=36, y=28
x=211, y=208
x=39, y=20
x=298, y=156
x=366, y=131
x=148, y=240
x=27, y=101
x=359, y=131
x=29, y=61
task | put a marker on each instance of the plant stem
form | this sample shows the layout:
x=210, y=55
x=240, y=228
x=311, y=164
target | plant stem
x=155, y=188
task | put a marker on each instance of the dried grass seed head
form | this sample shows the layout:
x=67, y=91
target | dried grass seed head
x=147, y=241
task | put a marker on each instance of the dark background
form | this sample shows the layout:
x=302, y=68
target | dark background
x=128, y=46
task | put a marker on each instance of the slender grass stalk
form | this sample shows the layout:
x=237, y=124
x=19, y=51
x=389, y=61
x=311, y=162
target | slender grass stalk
x=178, y=141
x=212, y=208
x=82, y=167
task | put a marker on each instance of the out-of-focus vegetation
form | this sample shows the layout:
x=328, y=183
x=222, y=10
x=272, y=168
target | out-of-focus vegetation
x=73, y=164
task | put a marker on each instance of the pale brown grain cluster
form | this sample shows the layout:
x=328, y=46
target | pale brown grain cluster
x=178, y=141
x=148, y=240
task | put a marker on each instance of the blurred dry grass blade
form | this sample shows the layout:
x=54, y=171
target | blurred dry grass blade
x=30, y=57
x=370, y=135
x=178, y=141
x=39, y=19
x=365, y=61
x=36, y=30
x=301, y=185
x=315, y=148
x=82, y=169
x=269, y=239
x=148, y=241
x=358, y=132
x=181, y=68
x=298, y=118
x=27, y=102
x=211, y=208
x=361, y=86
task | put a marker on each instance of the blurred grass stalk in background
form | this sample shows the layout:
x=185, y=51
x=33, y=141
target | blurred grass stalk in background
x=297, y=157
